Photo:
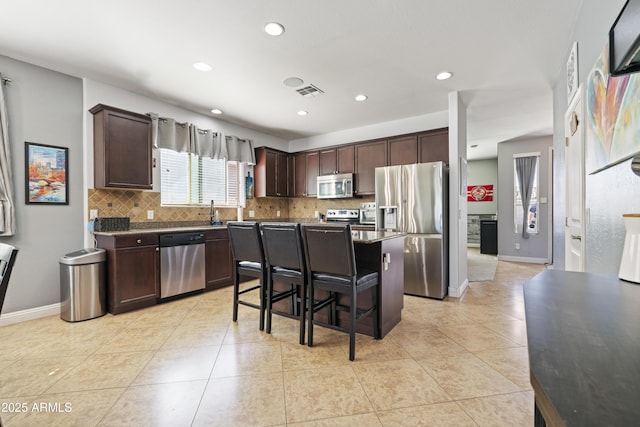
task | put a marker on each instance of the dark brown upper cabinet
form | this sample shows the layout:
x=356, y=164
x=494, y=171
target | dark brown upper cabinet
x=403, y=150
x=271, y=173
x=337, y=160
x=121, y=149
x=312, y=169
x=433, y=146
x=369, y=156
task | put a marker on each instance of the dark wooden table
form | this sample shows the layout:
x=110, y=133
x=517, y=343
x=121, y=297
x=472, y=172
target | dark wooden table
x=583, y=332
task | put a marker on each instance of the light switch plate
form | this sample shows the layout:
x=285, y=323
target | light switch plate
x=252, y=214
x=149, y=214
x=93, y=213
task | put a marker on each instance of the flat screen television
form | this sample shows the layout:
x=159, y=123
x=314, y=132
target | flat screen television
x=624, y=40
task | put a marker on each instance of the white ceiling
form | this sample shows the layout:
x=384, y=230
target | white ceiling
x=505, y=56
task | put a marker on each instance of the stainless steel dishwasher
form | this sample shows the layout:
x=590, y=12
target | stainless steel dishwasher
x=182, y=263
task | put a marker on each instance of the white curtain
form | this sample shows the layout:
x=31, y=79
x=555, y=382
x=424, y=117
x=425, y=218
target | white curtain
x=241, y=150
x=186, y=137
x=207, y=143
x=7, y=210
x=173, y=135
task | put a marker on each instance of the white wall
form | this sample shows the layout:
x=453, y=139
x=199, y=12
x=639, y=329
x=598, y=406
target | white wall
x=610, y=193
x=483, y=172
x=379, y=130
x=43, y=107
x=458, y=280
x=536, y=248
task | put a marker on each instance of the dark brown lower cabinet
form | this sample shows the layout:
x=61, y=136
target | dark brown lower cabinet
x=218, y=260
x=132, y=271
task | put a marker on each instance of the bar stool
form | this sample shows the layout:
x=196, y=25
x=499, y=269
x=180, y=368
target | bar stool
x=285, y=263
x=331, y=264
x=248, y=260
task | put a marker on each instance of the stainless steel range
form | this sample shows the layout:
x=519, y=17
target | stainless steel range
x=351, y=216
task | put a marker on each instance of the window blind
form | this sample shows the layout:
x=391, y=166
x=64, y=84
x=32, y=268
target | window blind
x=191, y=180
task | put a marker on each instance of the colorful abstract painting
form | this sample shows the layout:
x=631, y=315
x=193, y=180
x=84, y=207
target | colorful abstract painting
x=613, y=116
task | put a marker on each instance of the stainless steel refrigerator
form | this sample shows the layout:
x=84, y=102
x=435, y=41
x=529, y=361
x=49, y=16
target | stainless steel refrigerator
x=414, y=199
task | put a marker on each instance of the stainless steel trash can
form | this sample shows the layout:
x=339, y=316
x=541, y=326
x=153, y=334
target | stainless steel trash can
x=83, y=285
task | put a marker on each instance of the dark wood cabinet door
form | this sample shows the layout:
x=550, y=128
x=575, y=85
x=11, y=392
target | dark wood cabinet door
x=132, y=265
x=219, y=266
x=122, y=149
x=346, y=159
x=282, y=174
x=403, y=150
x=137, y=274
x=312, y=169
x=328, y=160
x=369, y=156
x=433, y=146
x=271, y=173
x=300, y=175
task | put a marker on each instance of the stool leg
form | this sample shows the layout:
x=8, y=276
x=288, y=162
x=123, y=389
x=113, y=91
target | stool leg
x=303, y=309
x=236, y=290
x=311, y=311
x=352, y=328
x=263, y=298
x=269, y=301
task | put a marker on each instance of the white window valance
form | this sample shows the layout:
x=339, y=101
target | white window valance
x=188, y=138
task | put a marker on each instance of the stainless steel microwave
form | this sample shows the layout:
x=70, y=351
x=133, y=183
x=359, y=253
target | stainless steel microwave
x=337, y=186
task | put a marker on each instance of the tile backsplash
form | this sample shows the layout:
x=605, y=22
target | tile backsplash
x=135, y=204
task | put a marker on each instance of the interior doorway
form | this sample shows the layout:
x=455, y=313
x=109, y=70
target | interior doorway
x=574, y=231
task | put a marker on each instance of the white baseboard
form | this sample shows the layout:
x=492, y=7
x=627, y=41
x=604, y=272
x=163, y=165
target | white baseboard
x=29, y=314
x=458, y=292
x=523, y=259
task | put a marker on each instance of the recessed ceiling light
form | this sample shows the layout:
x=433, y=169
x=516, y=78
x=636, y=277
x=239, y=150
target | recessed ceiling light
x=302, y=113
x=444, y=75
x=216, y=111
x=361, y=97
x=293, y=81
x=273, y=28
x=202, y=66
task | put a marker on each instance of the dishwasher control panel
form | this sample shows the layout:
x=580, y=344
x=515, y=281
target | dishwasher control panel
x=176, y=239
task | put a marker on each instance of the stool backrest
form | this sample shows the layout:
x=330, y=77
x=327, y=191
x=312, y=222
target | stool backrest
x=329, y=249
x=283, y=245
x=8, y=255
x=246, y=242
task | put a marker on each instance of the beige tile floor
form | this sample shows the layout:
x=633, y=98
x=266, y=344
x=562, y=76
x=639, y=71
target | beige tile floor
x=458, y=362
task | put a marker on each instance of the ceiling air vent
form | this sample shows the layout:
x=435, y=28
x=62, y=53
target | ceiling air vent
x=309, y=91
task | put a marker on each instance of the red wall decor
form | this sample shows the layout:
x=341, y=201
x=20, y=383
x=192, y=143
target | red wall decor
x=479, y=193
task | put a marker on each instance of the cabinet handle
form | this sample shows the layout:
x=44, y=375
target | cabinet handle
x=157, y=249
x=138, y=241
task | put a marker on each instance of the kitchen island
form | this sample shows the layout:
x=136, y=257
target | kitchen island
x=381, y=251
x=583, y=333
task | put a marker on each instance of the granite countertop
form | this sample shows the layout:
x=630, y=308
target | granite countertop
x=359, y=236
x=161, y=230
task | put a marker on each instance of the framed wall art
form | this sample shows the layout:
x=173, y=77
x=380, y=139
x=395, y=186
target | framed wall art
x=612, y=116
x=46, y=174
